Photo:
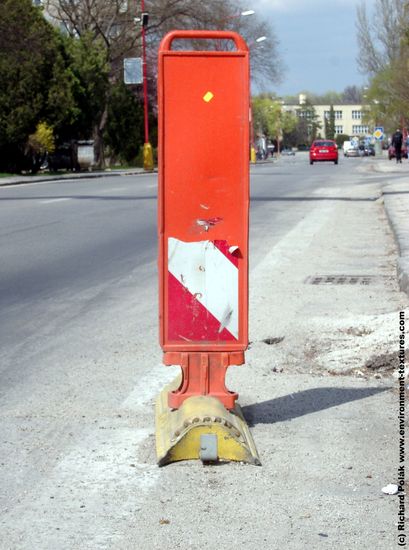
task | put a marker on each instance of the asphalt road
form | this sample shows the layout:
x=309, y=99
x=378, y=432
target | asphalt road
x=80, y=366
x=65, y=238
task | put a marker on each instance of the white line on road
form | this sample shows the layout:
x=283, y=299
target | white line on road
x=149, y=386
x=114, y=189
x=49, y=201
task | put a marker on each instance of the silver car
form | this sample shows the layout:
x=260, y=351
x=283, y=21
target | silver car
x=352, y=152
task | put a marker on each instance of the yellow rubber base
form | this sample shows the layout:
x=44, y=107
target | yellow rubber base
x=178, y=432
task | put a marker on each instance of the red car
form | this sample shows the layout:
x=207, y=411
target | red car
x=322, y=150
x=392, y=154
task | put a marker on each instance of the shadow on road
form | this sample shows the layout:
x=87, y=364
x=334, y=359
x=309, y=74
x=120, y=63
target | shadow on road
x=304, y=402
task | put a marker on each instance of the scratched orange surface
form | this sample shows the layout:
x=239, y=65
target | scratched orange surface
x=203, y=165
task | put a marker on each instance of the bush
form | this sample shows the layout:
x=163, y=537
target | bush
x=340, y=138
x=124, y=130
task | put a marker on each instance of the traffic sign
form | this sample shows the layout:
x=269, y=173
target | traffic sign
x=133, y=70
x=378, y=133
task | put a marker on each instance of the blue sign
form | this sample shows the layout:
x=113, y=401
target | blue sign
x=378, y=133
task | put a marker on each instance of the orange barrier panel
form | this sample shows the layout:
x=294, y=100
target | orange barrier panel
x=203, y=211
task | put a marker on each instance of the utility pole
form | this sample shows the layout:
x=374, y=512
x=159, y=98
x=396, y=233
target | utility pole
x=147, y=147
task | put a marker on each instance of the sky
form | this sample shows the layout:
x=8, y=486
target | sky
x=317, y=43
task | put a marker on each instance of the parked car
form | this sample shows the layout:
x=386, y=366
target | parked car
x=346, y=145
x=361, y=150
x=392, y=154
x=288, y=152
x=352, y=152
x=64, y=158
x=369, y=150
x=323, y=150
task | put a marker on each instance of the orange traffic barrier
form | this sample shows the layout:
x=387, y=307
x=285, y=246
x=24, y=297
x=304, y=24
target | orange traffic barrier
x=203, y=211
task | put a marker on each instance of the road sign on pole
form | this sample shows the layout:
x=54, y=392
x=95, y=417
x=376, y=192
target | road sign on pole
x=378, y=133
x=133, y=70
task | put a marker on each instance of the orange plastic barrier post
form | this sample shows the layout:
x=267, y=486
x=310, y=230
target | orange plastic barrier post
x=203, y=102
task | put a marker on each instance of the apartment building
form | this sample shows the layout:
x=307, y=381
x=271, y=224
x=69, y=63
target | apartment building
x=348, y=118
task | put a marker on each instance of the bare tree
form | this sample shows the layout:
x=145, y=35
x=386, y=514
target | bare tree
x=114, y=23
x=379, y=37
x=352, y=94
x=384, y=50
x=265, y=60
x=108, y=22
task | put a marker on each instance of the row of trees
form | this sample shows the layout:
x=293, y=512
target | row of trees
x=54, y=87
x=61, y=70
x=290, y=129
x=383, y=56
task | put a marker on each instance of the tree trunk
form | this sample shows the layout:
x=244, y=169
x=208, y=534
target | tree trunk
x=99, y=139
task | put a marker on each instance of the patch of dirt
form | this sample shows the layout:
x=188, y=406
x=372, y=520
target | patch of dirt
x=384, y=363
x=378, y=366
x=356, y=331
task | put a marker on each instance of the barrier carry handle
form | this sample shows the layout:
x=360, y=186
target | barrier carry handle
x=166, y=44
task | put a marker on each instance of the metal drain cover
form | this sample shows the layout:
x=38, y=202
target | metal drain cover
x=339, y=280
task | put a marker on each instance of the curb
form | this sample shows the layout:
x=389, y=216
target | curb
x=398, y=221
x=17, y=180
x=403, y=274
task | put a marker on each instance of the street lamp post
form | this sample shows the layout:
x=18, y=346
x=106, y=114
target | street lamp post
x=378, y=144
x=147, y=147
x=280, y=129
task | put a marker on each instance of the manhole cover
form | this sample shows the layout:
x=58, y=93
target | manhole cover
x=339, y=280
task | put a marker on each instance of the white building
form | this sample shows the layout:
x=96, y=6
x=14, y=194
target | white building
x=348, y=118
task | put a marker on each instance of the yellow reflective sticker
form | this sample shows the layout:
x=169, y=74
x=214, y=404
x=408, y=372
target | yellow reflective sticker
x=208, y=96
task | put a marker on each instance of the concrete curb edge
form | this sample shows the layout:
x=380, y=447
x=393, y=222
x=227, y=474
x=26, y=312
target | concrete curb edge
x=401, y=237
x=83, y=175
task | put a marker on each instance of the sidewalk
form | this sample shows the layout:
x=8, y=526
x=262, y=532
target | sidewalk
x=19, y=179
x=396, y=200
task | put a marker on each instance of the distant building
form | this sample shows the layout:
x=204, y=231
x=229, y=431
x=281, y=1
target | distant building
x=348, y=118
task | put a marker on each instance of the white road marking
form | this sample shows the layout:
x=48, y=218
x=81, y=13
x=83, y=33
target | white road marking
x=149, y=386
x=114, y=189
x=49, y=201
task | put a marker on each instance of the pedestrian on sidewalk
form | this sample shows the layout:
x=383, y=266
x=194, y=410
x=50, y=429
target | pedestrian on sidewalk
x=397, y=140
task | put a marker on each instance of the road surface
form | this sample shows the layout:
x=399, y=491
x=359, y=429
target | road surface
x=80, y=367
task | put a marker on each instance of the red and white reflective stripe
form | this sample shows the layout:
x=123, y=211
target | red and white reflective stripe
x=211, y=276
